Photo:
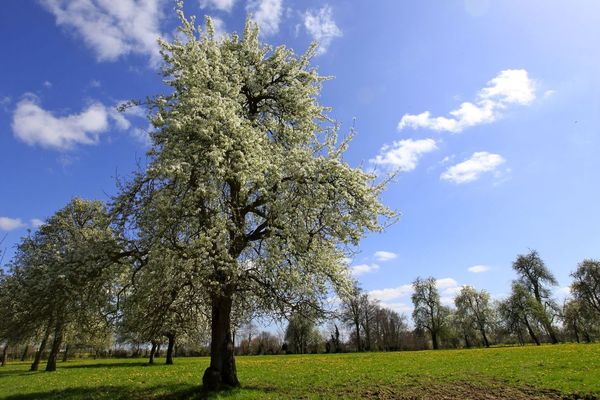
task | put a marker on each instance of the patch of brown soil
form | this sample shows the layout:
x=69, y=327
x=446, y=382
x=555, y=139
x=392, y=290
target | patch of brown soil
x=468, y=391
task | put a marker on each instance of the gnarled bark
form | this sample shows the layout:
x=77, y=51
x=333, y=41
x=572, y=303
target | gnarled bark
x=434, y=340
x=58, y=338
x=4, y=351
x=171, y=337
x=38, y=355
x=152, y=352
x=222, y=370
x=531, y=333
x=24, y=354
x=66, y=353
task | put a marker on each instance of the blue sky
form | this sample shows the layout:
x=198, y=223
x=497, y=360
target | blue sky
x=489, y=109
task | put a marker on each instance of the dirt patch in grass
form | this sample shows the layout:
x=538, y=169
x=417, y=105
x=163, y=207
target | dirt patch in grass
x=467, y=390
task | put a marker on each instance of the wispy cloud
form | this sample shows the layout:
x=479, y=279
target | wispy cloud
x=401, y=308
x=321, y=26
x=511, y=86
x=361, y=269
x=471, y=169
x=9, y=224
x=403, y=155
x=223, y=5
x=445, y=283
x=391, y=293
x=36, y=222
x=112, y=28
x=477, y=269
x=448, y=288
x=267, y=14
x=385, y=255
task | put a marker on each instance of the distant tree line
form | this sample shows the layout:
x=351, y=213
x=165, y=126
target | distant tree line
x=73, y=289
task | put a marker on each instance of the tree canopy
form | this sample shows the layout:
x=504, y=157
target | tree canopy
x=246, y=183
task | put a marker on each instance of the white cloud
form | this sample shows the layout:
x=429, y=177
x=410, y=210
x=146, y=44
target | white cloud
x=9, y=224
x=363, y=269
x=5, y=102
x=511, y=86
x=36, y=222
x=267, y=14
x=36, y=126
x=47, y=84
x=219, y=27
x=445, y=283
x=112, y=28
x=563, y=292
x=385, y=255
x=403, y=155
x=477, y=269
x=223, y=5
x=391, y=293
x=448, y=288
x=471, y=169
x=400, y=308
x=321, y=26
x=142, y=135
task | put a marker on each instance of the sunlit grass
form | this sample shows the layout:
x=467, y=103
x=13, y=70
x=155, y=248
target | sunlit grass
x=563, y=369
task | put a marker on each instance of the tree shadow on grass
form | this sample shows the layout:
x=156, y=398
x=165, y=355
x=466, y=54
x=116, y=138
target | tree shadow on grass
x=14, y=372
x=161, y=392
x=108, y=365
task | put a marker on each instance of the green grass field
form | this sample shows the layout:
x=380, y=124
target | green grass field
x=547, y=372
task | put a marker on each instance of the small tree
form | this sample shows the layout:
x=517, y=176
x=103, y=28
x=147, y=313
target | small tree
x=66, y=271
x=388, y=328
x=301, y=334
x=536, y=278
x=429, y=314
x=352, y=312
x=246, y=181
x=580, y=320
x=473, y=310
x=586, y=284
x=160, y=301
x=521, y=309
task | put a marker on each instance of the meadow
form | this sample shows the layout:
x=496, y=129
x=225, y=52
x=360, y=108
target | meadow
x=565, y=371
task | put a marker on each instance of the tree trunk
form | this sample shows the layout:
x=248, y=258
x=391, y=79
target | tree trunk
x=467, y=343
x=485, y=339
x=152, y=352
x=66, y=355
x=4, y=352
x=38, y=355
x=520, y=335
x=551, y=332
x=576, y=331
x=367, y=329
x=222, y=371
x=171, y=337
x=24, y=353
x=358, y=344
x=157, y=354
x=531, y=333
x=548, y=326
x=434, y=340
x=58, y=337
